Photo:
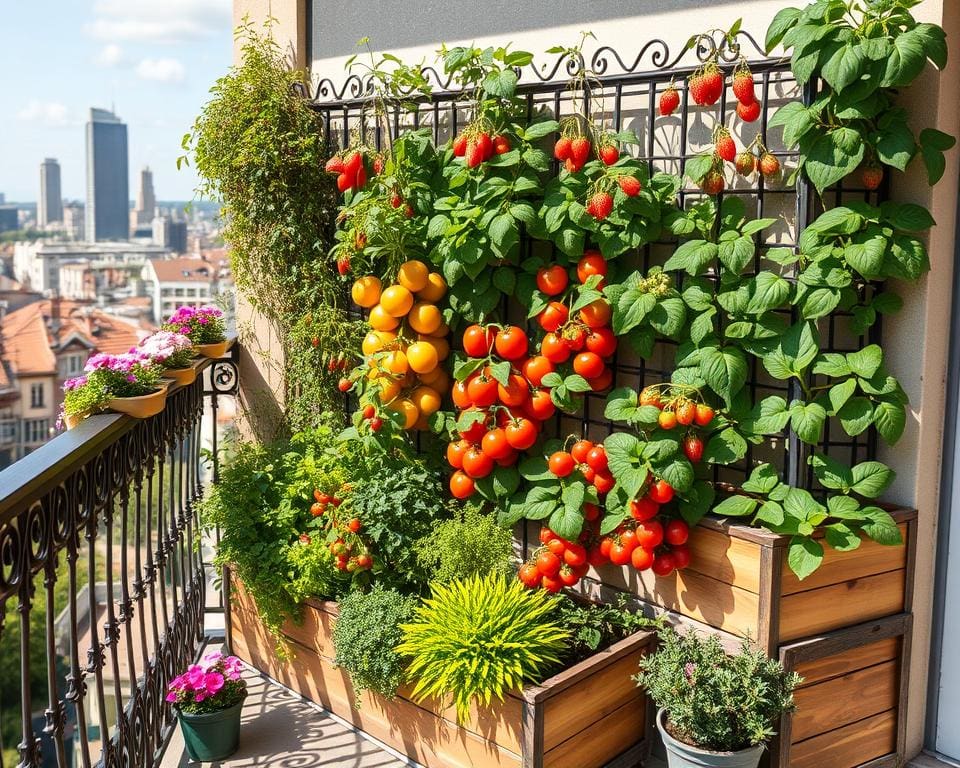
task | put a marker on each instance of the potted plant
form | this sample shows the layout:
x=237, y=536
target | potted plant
x=174, y=352
x=208, y=699
x=714, y=709
x=203, y=326
x=81, y=397
x=132, y=380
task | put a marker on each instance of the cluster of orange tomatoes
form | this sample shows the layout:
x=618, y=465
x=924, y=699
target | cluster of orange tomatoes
x=583, y=337
x=404, y=348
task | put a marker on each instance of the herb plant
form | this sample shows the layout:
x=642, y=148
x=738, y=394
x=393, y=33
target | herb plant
x=714, y=701
x=471, y=544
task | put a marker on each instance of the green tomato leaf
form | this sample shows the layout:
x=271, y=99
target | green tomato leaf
x=804, y=556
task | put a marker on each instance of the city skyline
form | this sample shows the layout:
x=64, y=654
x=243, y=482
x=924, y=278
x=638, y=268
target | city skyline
x=152, y=65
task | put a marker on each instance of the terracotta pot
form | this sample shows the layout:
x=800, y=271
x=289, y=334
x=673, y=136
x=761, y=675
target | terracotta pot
x=212, y=350
x=141, y=407
x=72, y=419
x=184, y=376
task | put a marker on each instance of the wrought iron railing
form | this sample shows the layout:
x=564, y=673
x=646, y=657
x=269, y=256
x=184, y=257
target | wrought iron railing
x=102, y=581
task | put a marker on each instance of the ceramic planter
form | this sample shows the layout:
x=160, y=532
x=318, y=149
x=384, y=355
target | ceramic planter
x=72, y=419
x=212, y=735
x=141, y=407
x=182, y=376
x=211, y=350
x=680, y=755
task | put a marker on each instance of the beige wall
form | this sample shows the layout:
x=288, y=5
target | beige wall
x=916, y=343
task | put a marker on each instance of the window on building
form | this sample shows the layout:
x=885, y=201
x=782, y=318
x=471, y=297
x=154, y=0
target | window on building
x=178, y=292
x=191, y=292
x=36, y=395
x=71, y=365
x=36, y=430
x=166, y=291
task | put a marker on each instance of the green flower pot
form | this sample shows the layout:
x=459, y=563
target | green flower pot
x=212, y=735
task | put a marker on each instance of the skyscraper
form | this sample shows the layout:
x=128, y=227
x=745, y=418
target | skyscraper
x=146, y=200
x=50, y=207
x=108, y=195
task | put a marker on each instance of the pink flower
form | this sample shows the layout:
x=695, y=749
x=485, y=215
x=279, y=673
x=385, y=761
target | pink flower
x=213, y=682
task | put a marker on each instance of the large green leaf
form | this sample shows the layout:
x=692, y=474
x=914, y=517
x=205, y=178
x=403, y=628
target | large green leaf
x=832, y=155
x=724, y=369
x=804, y=556
x=844, y=66
x=871, y=478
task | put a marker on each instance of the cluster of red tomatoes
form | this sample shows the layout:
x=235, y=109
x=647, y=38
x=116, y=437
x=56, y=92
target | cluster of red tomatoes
x=509, y=415
x=351, y=169
x=475, y=145
x=347, y=547
x=590, y=459
x=678, y=409
x=558, y=563
x=584, y=336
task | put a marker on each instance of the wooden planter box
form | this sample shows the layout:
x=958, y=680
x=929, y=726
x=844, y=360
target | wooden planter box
x=589, y=716
x=845, y=629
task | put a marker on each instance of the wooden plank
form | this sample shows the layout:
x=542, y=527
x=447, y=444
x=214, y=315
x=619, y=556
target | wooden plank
x=602, y=743
x=849, y=746
x=869, y=558
x=819, y=670
x=769, y=569
x=579, y=708
x=692, y=594
x=851, y=602
x=730, y=560
x=844, y=700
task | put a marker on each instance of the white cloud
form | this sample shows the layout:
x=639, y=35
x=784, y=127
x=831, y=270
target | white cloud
x=172, y=21
x=161, y=70
x=51, y=114
x=110, y=55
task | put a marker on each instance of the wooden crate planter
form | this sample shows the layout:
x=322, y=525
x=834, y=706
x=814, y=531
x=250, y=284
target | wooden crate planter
x=589, y=716
x=738, y=582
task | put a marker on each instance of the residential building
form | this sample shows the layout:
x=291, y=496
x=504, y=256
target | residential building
x=50, y=205
x=108, y=197
x=73, y=221
x=37, y=264
x=9, y=218
x=178, y=282
x=41, y=345
x=170, y=233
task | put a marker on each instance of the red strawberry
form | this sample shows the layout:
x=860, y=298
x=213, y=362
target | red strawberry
x=408, y=211
x=396, y=200
x=334, y=165
x=474, y=155
x=769, y=165
x=343, y=265
x=743, y=86
x=460, y=146
x=344, y=182
x=746, y=163
x=748, y=112
x=630, y=185
x=485, y=145
x=609, y=154
x=669, y=101
x=501, y=145
x=693, y=448
x=601, y=204
x=712, y=183
x=570, y=165
x=712, y=83
x=872, y=176
x=580, y=151
x=724, y=145
x=561, y=150
x=352, y=163
x=697, y=89
x=378, y=165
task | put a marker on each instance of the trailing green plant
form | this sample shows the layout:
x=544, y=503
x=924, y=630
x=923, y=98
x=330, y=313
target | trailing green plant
x=366, y=634
x=258, y=147
x=470, y=544
x=476, y=639
x=714, y=701
x=863, y=51
x=311, y=571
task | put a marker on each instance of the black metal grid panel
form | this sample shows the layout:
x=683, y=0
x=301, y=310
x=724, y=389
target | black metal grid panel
x=629, y=101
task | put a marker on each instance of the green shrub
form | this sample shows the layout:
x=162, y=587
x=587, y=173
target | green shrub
x=471, y=544
x=595, y=626
x=715, y=701
x=312, y=573
x=480, y=637
x=365, y=635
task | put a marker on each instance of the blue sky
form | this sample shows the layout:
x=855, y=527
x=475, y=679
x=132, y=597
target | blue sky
x=153, y=60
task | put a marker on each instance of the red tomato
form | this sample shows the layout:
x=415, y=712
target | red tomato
x=516, y=391
x=597, y=459
x=644, y=509
x=603, y=482
x=553, y=316
x=548, y=563
x=579, y=451
x=574, y=337
x=704, y=415
x=561, y=463
x=553, y=348
x=681, y=556
x=591, y=512
x=606, y=544
x=588, y=364
x=476, y=463
x=546, y=535
x=521, y=434
x=482, y=389
x=568, y=576
x=552, y=280
x=601, y=341
x=629, y=539
x=508, y=459
x=661, y=492
x=461, y=397
x=494, y=444
x=641, y=558
x=664, y=564
x=475, y=432
x=620, y=554
x=592, y=263
x=676, y=533
x=551, y=584
x=511, y=343
x=455, y=452
x=650, y=534
x=540, y=406
x=596, y=558
x=535, y=368
x=477, y=341
x=530, y=575
x=461, y=485
x=558, y=546
x=575, y=554
x=596, y=314
x=601, y=382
